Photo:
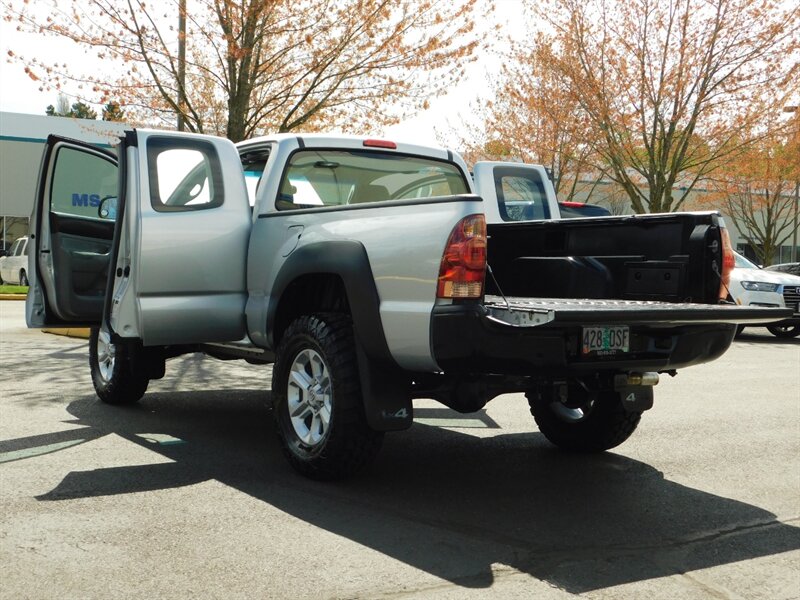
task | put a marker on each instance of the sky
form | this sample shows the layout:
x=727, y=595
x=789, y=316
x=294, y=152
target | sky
x=18, y=93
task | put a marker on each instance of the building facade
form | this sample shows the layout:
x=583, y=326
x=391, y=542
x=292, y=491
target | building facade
x=22, y=139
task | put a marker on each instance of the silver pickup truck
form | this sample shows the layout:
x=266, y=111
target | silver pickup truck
x=365, y=271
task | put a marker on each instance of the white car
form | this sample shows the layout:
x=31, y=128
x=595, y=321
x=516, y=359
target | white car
x=14, y=265
x=753, y=286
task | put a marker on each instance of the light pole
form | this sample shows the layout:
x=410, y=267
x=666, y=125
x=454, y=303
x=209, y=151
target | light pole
x=793, y=253
x=181, y=64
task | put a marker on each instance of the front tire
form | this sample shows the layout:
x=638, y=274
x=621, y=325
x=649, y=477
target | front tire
x=597, y=423
x=784, y=331
x=316, y=397
x=118, y=370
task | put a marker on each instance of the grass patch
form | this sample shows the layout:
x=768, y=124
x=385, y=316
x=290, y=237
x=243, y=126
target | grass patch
x=13, y=289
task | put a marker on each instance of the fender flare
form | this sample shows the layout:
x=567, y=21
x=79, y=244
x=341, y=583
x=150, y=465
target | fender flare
x=385, y=386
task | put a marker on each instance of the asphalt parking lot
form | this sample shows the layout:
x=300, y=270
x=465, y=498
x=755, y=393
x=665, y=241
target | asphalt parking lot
x=187, y=494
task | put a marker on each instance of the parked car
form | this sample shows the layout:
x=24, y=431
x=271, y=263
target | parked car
x=791, y=268
x=753, y=286
x=574, y=210
x=14, y=265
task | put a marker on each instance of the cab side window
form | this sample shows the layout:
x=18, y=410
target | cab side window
x=184, y=177
x=254, y=162
x=521, y=195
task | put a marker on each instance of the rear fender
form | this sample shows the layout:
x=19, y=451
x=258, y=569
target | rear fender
x=385, y=387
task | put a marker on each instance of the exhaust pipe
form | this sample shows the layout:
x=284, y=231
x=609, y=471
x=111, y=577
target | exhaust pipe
x=648, y=379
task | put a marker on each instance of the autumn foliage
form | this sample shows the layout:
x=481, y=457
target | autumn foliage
x=256, y=65
x=758, y=189
x=658, y=94
x=533, y=118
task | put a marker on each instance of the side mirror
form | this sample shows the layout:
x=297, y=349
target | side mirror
x=108, y=208
x=3, y=253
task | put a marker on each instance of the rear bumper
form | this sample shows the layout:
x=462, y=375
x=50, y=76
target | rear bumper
x=467, y=339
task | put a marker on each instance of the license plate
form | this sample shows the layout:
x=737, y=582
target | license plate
x=605, y=340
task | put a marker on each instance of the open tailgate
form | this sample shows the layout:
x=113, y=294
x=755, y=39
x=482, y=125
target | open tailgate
x=531, y=312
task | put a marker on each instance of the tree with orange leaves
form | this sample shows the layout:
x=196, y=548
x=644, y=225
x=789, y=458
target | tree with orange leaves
x=757, y=190
x=256, y=65
x=534, y=118
x=671, y=88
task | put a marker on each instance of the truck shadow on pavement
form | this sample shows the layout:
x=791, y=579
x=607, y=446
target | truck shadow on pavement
x=442, y=501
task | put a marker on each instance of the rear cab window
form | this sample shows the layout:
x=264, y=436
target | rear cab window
x=327, y=178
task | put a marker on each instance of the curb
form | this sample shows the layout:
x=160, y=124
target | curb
x=73, y=332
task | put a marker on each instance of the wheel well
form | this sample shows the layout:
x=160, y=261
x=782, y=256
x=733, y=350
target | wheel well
x=308, y=294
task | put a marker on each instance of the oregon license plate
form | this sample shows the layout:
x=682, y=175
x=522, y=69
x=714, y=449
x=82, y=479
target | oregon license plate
x=605, y=340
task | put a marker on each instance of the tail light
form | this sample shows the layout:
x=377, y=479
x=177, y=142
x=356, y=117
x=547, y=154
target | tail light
x=463, y=266
x=728, y=262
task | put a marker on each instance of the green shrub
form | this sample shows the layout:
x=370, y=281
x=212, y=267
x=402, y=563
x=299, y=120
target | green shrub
x=13, y=289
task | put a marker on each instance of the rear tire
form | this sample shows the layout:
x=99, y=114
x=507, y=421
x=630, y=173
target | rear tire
x=599, y=423
x=784, y=331
x=23, y=278
x=317, y=402
x=118, y=370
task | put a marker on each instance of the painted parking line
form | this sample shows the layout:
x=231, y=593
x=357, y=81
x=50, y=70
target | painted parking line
x=465, y=423
x=162, y=439
x=37, y=450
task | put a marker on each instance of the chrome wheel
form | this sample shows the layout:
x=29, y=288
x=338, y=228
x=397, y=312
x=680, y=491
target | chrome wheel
x=316, y=399
x=106, y=356
x=309, y=397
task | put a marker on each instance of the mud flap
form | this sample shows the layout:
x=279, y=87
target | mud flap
x=636, y=398
x=387, y=394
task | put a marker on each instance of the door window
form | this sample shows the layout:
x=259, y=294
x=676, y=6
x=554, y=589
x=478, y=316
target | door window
x=185, y=175
x=81, y=182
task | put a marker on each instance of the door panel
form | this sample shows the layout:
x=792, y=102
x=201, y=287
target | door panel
x=188, y=245
x=69, y=251
x=179, y=250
